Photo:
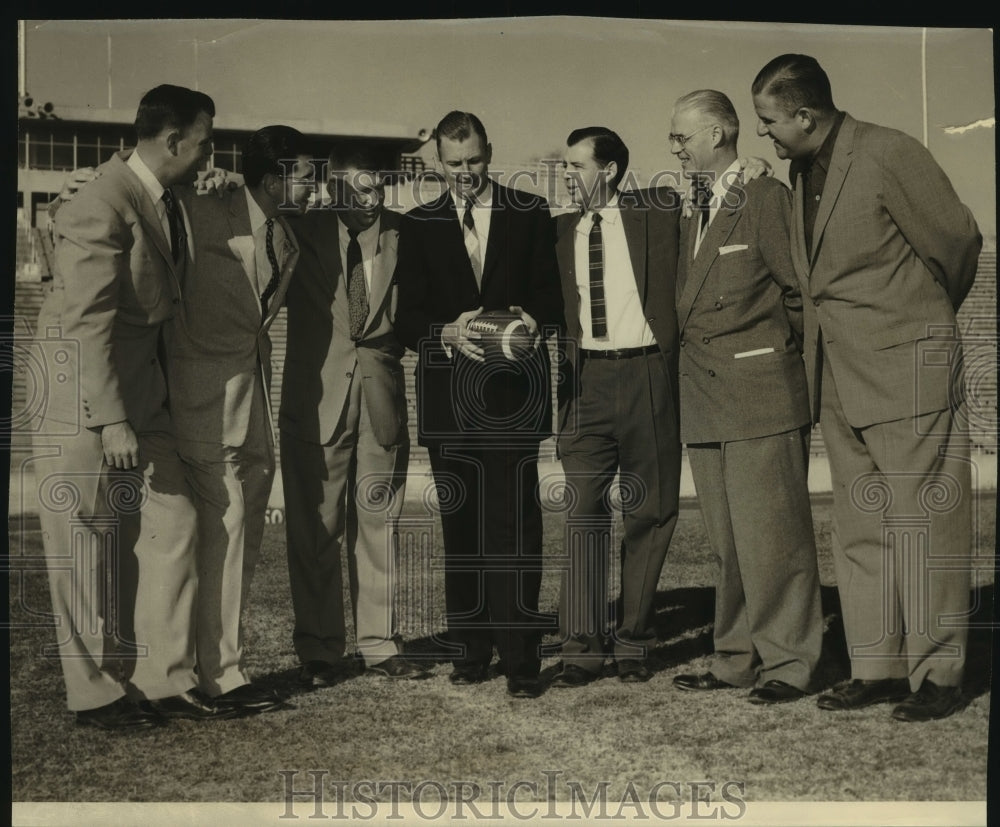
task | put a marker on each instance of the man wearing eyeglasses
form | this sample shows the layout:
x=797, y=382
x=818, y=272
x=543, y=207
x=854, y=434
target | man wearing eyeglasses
x=745, y=411
x=344, y=437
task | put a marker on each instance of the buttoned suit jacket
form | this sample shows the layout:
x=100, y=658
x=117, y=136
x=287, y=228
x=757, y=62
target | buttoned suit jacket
x=458, y=399
x=321, y=359
x=894, y=255
x=220, y=350
x=650, y=220
x=740, y=294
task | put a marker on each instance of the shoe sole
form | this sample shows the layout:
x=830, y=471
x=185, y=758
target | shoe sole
x=905, y=718
x=837, y=708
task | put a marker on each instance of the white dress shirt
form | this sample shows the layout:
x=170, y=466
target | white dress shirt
x=627, y=325
x=368, y=239
x=155, y=189
x=719, y=188
x=258, y=228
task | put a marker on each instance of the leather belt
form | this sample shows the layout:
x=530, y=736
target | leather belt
x=623, y=353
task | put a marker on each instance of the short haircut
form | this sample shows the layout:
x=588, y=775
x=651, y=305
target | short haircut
x=795, y=81
x=265, y=150
x=716, y=107
x=607, y=146
x=459, y=126
x=361, y=156
x=170, y=107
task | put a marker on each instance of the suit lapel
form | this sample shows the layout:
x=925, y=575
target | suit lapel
x=497, y=240
x=241, y=240
x=840, y=163
x=634, y=225
x=718, y=233
x=382, y=268
x=291, y=257
x=147, y=209
x=566, y=254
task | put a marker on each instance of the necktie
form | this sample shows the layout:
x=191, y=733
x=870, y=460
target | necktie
x=357, y=294
x=272, y=285
x=472, y=241
x=178, y=237
x=598, y=308
x=702, y=200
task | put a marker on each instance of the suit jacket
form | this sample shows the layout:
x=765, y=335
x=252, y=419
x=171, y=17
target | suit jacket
x=738, y=295
x=219, y=349
x=650, y=219
x=115, y=284
x=459, y=399
x=322, y=360
x=894, y=254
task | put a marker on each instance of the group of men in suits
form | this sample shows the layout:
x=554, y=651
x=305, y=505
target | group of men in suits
x=680, y=319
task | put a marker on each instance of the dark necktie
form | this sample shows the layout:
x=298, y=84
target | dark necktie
x=702, y=201
x=472, y=241
x=598, y=308
x=357, y=294
x=272, y=285
x=177, y=235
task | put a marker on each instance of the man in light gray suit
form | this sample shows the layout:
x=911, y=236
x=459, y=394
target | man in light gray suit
x=344, y=440
x=219, y=367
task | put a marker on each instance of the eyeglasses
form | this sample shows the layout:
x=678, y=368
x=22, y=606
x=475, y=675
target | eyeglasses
x=683, y=139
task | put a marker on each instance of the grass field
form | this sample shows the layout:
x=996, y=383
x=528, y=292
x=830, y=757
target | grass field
x=369, y=729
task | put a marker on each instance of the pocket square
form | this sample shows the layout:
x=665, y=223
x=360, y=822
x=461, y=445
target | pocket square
x=732, y=248
x=759, y=352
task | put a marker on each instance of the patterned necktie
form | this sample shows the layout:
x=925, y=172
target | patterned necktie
x=272, y=285
x=472, y=241
x=357, y=294
x=598, y=308
x=702, y=201
x=178, y=237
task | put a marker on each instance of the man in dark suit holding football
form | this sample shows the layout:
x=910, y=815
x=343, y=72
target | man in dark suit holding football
x=480, y=247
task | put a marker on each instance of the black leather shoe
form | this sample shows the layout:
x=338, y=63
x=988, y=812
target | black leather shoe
x=401, y=668
x=321, y=673
x=122, y=714
x=930, y=703
x=469, y=674
x=701, y=683
x=633, y=671
x=525, y=686
x=249, y=699
x=193, y=705
x=855, y=694
x=572, y=676
x=775, y=692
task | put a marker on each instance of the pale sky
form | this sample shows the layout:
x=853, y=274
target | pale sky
x=531, y=80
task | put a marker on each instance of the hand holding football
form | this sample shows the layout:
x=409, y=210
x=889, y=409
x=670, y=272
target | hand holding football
x=503, y=335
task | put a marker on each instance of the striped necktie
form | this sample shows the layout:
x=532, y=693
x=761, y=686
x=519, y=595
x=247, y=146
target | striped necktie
x=178, y=237
x=598, y=307
x=272, y=285
x=472, y=241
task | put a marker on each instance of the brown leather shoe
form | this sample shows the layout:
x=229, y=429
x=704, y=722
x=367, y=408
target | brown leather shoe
x=855, y=694
x=705, y=682
x=634, y=671
x=929, y=703
x=249, y=699
x=121, y=714
x=572, y=676
x=400, y=668
x=192, y=705
x=775, y=692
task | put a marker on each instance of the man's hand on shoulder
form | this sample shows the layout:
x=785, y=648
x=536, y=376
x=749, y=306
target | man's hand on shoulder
x=751, y=168
x=217, y=180
x=456, y=337
x=121, y=446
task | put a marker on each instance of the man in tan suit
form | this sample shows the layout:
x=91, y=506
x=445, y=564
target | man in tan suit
x=745, y=411
x=885, y=253
x=219, y=366
x=111, y=487
x=344, y=440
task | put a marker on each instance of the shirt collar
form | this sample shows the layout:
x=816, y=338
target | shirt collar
x=609, y=215
x=366, y=233
x=149, y=181
x=723, y=183
x=825, y=154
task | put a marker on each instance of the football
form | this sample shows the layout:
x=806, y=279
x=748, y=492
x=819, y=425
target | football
x=503, y=335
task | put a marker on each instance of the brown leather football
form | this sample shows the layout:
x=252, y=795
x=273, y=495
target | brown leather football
x=502, y=335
